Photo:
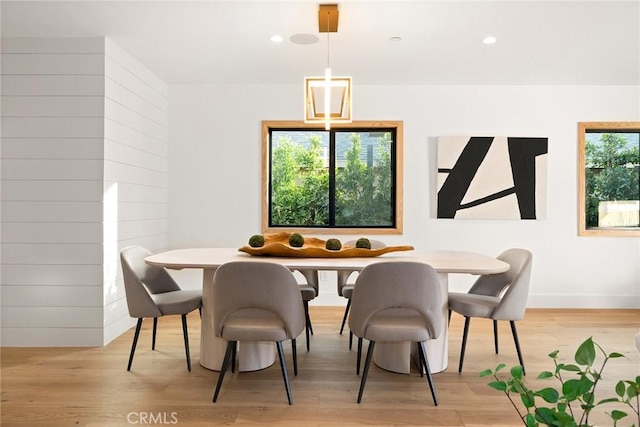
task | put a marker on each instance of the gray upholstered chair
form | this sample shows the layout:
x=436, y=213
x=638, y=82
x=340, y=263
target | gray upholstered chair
x=500, y=296
x=152, y=292
x=396, y=301
x=257, y=301
x=345, y=289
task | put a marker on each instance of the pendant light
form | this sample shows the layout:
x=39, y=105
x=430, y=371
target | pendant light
x=327, y=98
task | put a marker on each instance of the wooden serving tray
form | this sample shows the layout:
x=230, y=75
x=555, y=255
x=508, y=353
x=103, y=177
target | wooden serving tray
x=278, y=245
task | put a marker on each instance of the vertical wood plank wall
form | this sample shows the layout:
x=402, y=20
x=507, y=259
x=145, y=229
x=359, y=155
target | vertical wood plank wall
x=73, y=128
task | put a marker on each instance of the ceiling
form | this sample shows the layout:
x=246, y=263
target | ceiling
x=563, y=42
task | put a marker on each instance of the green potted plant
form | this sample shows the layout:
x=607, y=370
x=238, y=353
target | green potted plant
x=571, y=404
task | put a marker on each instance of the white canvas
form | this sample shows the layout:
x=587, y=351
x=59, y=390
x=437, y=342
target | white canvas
x=476, y=177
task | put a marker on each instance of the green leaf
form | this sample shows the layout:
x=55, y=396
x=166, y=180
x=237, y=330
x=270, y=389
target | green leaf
x=565, y=420
x=486, y=372
x=500, y=367
x=571, y=368
x=498, y=385
x=527, y=400
x=617, y=415
x=608, y=400
x=586, y=353
x=545, y=415
x=516, y=372
x=530, y=421
x=633, y=384
x=548, y=394
x=588, y=397
x=544, y=375
x=574, y=388
x=554, y=354
x=519, y=387
x=615, y=355
x=620, y=388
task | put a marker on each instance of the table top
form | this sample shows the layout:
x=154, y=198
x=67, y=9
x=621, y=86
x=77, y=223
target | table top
x=442, y=261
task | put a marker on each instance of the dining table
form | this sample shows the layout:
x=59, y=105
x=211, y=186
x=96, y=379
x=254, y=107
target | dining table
x=395, y=357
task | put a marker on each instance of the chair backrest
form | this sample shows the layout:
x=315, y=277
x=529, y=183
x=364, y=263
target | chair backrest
x=141, y=280
x=343, y=275
x=255, y=284
x=515, y=281
x=397, y=284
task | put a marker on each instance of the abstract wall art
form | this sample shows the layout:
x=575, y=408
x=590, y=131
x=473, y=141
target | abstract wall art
x=492, y=177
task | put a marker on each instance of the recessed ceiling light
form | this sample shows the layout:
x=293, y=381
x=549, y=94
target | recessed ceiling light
x=395, y=38
x=276, y=38
x=303, y=38
x=489, y=40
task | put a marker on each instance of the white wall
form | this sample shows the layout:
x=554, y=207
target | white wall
x=84, y=173
x=135, y=173
x=214, y=170
x=52, y=144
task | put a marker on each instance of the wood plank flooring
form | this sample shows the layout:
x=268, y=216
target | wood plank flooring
x=91, y=387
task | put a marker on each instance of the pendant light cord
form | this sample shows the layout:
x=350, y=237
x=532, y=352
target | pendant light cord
x=328, y=63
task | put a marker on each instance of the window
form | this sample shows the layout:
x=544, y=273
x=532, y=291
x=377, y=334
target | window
x=609, y=188
x=340, y=181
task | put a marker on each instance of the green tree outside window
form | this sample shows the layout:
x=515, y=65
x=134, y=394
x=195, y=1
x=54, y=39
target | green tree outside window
x=612, y=171
x=301, y=174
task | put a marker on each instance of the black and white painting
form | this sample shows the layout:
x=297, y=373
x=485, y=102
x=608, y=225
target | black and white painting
x=492, y=177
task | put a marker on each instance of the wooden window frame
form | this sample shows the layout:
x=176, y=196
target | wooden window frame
x=398, y=125
x=583, y=127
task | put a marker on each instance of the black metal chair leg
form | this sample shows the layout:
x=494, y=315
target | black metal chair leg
x=135, y=342
x=449, y=319
x=234, y=351
x=346, y=314
x=365, y=372
x=495, y=335
x=153, y=336
x=223, y=369
x=359, y=356
x=420, y=362
x=467, y=320
x=294, y=355
x=307, y=326
x=515, y=339
x=200, y=311
x=283, y=365
x=424, y=360
x=350, y=340
x=186, y=340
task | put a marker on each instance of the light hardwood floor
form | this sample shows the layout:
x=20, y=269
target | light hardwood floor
x=91, y=387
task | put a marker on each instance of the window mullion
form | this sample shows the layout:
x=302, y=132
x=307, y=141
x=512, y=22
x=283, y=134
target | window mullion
x=332, y=178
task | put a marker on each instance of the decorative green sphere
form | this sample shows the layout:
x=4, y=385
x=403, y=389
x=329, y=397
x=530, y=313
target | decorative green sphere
x=256, y=241
x=363, y=243
x=333, y=245
x=296, y=240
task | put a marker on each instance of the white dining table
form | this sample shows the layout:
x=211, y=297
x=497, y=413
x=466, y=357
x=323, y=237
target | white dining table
x=395, y=357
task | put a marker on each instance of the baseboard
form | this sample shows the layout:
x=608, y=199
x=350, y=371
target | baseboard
x=584, y=301
x=534, y=301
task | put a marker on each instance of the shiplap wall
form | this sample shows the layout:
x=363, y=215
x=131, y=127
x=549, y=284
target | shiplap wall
x=135, y=173
x=78, y=162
